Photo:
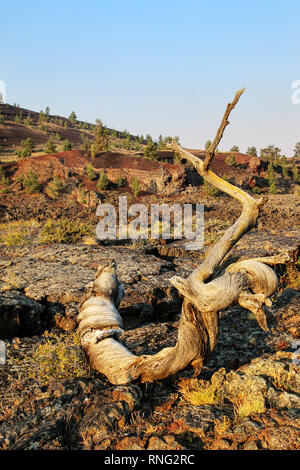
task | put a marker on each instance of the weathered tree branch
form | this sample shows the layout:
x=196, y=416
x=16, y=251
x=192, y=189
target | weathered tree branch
x=249, y=283
x=213, y=147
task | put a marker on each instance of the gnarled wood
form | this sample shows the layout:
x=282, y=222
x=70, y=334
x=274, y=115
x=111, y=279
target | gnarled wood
x=249, y=283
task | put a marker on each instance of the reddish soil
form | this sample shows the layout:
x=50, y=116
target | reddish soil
x=219, y=165
x=119, y=160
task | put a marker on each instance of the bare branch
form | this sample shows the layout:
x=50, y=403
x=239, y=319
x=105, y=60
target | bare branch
x=212, y=149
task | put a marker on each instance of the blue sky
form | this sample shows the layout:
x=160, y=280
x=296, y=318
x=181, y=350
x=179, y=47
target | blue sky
x=161, y=67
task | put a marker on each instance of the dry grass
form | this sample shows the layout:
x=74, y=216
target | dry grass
x=252, y=405
x=26, y=232
x=20, y=232
x=291, y=278
x=200, y=392
x=58, y=357
x=222, y=425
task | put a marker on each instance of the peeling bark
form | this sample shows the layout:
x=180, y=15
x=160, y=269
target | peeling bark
x=249, y=283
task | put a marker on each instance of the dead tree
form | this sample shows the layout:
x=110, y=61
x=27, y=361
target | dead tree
x=205, y=292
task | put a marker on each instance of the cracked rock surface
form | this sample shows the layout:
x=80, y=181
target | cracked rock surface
x=40, y=289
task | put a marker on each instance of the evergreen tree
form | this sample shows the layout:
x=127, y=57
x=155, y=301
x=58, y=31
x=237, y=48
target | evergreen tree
x=26, y=149
x=273, y=187
x=150, y=151
x=161, y=142
x=270, y=153
x=207, y=144
x=67, y=145
x=295, y=174
x=31, y=183
x=50, y=146
x=230, y=160
x=120, y=181
x=55, y=187
x=252, y=151
x=210, y=190
x=73, y=117
x=135, y=186
x=3, y=178
x=297, y=150
x=101, y=140
x=271, y=176
x=102, y=182
x=93, y=151
x=284, y=171
x=91, y=174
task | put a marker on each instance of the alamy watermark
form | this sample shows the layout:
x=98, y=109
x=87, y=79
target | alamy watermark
x=187, y=222
x=2, y=352
x=2, y=92
x=296, y=353
x=295, y=97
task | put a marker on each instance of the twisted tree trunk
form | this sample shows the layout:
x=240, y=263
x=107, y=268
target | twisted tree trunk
x=249, y=283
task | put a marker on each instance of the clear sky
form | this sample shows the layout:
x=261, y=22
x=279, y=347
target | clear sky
x=158, y=66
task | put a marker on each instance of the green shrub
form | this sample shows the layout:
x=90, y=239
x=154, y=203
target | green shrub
x=67, y=145
x=50, y=146
x=64, y=231
x=55, y=187
x=59, y=357
x=102, y=182
x=120, y=181
x=295, y=174
x=31, y=183
x=135, y=186
x=271, y=176
x=230, y=160
x=26, y=149
x=91, y=174
x=21, y=232
x=3, y=178
x=150, y=151
x=210, y=190
x=273, y=188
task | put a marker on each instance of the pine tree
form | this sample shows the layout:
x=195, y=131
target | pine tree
x=273, y=187
x=295, y=174
x=230, y=160
x=120, y=181
x=91, y=174
x=50, y=146
x=102, y=182
x=101, y=140
x=284, y=170
x=252, y=151
x=150, y=151
x=55, y=187
x=93, y=151
x=73, y=117
x=297, y=150
x=26, y=148
x=67, y=145
x=271, y=177
x=3, y=178
x=31, y=182
x=207, y=144
x=135, y=186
